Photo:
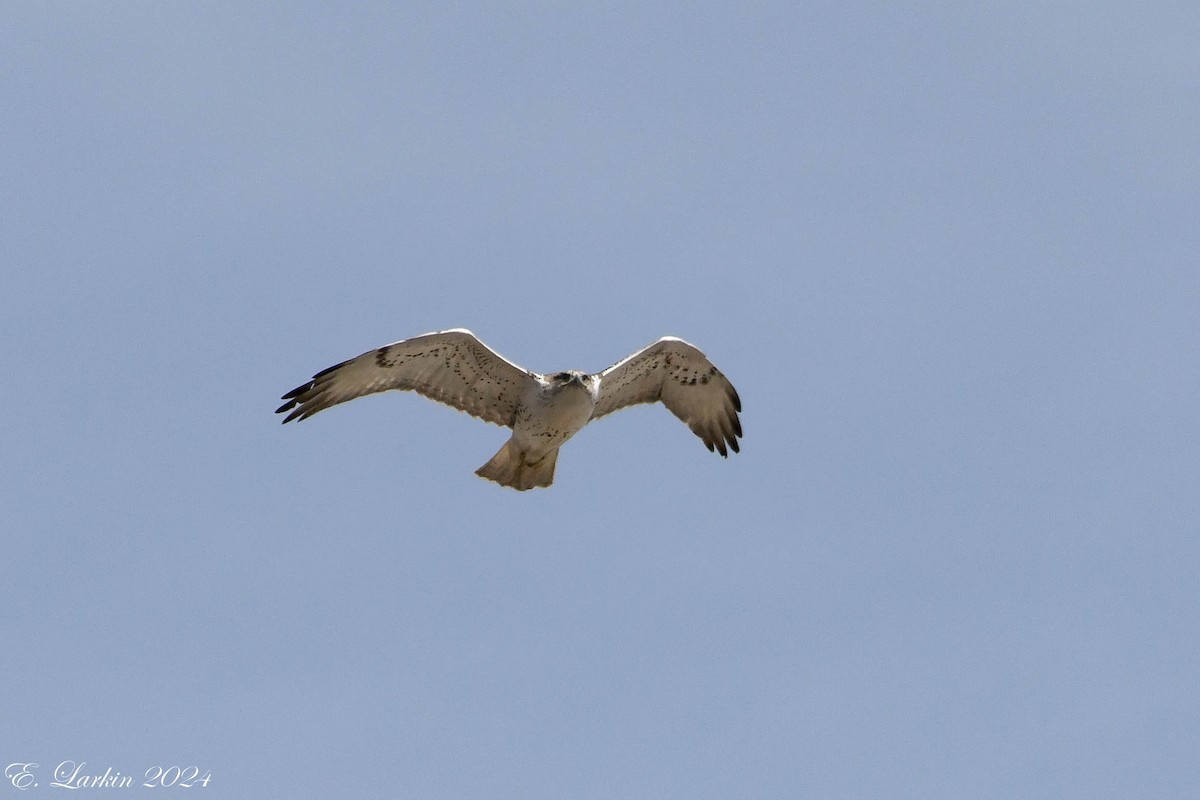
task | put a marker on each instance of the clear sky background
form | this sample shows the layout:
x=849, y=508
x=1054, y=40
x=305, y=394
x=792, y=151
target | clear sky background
x=948, y=254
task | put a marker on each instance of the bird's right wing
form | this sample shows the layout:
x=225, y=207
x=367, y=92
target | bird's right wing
x=453, y=367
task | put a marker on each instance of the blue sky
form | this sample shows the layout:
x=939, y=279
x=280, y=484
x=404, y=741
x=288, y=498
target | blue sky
x=948, y=256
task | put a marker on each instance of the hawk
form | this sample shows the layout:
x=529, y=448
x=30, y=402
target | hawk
x=544, y=411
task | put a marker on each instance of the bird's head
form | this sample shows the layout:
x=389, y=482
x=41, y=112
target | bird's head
x=573, y=377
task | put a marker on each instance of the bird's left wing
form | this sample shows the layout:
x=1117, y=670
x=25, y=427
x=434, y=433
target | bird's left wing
x=453, y=367
x=687, y=383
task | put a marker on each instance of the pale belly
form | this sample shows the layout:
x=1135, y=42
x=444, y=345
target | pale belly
x=546, y=419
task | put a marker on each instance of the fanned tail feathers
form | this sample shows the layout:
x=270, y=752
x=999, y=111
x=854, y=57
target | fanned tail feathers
x=509, y=468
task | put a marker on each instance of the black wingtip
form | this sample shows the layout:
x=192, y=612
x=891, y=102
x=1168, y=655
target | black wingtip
x=720, y=446
x=294, y=393
x=292, y=405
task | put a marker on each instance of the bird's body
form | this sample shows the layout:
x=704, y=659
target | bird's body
x=544, y=411
x=552, y=409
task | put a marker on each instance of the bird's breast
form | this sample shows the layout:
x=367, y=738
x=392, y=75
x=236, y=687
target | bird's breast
x=554, y=414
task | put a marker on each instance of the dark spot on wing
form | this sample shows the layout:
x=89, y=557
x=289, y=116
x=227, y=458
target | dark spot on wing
x=381, y=358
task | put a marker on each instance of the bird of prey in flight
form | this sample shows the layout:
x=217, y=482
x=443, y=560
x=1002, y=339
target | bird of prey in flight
x=456, y=368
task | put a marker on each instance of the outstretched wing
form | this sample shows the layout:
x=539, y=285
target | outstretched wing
x=678, y=374
x=452, y=367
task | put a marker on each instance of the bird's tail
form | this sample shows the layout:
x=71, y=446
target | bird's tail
x=509, y=468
